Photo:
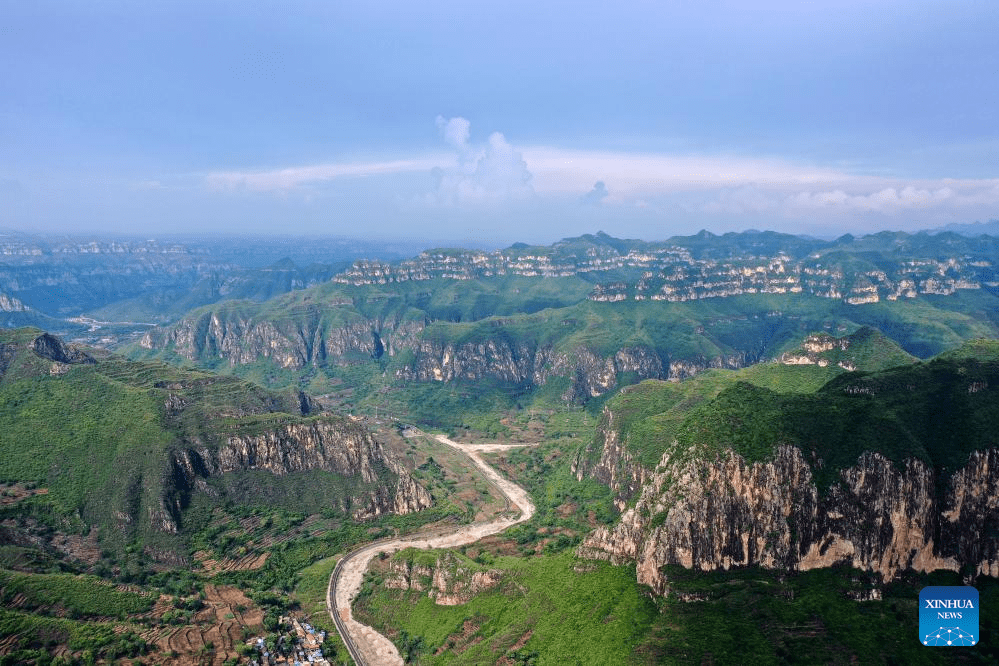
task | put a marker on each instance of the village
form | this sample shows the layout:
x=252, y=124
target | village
x=301, y=646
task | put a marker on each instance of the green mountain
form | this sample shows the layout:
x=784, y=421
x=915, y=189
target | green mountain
x=798, y=512
x=887, y=471
x=453, y=333
x=426, y=350
x=130, y=448
x=640, y=422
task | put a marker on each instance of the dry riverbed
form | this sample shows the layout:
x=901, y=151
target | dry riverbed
x=376, y=649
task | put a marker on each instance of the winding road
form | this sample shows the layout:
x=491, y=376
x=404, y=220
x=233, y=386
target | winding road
x=366, y=646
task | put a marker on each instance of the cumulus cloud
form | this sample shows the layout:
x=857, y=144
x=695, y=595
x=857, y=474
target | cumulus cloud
x=596, y=195
x=491, y=172
x=456, y=131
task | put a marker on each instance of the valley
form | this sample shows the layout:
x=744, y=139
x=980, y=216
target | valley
x=599, y=451
x=499, y=333
x=372, y=648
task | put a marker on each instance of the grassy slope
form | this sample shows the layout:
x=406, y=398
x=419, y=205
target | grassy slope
x=592, y=615
x=651, y=415
x=77, y=595
x=99, y=438
x=572, y=611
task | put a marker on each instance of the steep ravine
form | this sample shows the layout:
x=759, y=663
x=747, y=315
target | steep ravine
x=369, y=647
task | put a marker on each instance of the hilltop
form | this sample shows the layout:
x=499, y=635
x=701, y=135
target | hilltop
x=131, y=449
x=881, y=470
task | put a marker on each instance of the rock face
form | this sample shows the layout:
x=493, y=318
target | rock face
x=527, y=363
x=608, y=459
x=11, y=304
x=332, y=445
x=52, y=348
x=312, y=341
x=879, y=515
x=614, y=466
x=688, y=269
x=865, y=349
x=448, y=582
x=296, y=344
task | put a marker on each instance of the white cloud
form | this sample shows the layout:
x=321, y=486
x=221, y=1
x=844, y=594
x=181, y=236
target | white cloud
x=284, y=180
x=493, y=172
x=596, y=195
x=475, y=175
x=733, y=185
x=899, y=198
x=456, y=131
x=563, y=171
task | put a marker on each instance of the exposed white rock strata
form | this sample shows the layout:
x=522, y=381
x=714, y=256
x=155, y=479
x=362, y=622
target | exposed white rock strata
x=880, y=516
x=332, y=445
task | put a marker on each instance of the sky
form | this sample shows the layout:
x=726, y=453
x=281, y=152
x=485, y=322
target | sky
x=497, y=121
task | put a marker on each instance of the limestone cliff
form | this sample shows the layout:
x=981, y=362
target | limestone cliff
x=887, y=471
x=608, y=460
x=879, y=515
x=525, y=362
x=307, y=339
x=450, y=581
x=330, y=444
x=865, y=349
x=313, y=341
x=11, y=304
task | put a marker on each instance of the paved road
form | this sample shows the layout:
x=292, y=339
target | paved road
x=367, y=646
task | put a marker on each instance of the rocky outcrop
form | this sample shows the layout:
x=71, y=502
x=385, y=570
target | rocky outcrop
x=812, y=350
x=879, y=515
x=515, y=362
x=684, y=368
x=449, y=582
x=865, y=349
x=332, y=445
x=11, y=304
x=608, y=460
x=52, y=348
x=524, y=362
x=293, y=344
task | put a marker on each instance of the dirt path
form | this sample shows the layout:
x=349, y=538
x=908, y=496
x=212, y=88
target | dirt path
x=371, y=648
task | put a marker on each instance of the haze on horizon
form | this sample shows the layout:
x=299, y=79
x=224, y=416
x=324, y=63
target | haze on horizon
x=499, y=122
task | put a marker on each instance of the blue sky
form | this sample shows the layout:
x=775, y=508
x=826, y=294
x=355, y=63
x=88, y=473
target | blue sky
x=497, y=121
